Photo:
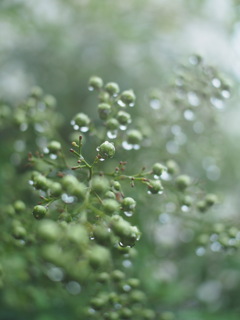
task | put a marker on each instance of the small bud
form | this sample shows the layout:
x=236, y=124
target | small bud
x=112, y=88
x=128, y=97
x=19, y=206
x=100, y=185
x=54, y=147
x=123, y=117
x=81, y=120
x=211, y=199
x=104, y=110
x=110, y=205
x=134, y=137
x=128, y=204
x=201, y=206
x=155, y=186
x=112, y=124
x=95, y=83
x=106, y=150
x=182, y=182
x=172, y=167
x=158, y=169
x=39, y=212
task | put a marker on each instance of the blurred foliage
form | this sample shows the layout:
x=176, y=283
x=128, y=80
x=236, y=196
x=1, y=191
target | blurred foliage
x=186, y=110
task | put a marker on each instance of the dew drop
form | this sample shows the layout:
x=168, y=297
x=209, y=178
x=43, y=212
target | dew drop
x=123, y=127
x=193, y=99
x=23, y=127
x=127, y=263
x=185, y=208
x=38, y=127
x=72, y=122
x=30, y=182
x=66, y=198
x=90, y=88
x=217, y=103
x=53, y=156
x=112, y=134
x=73, y=287
x=128, y=213
x=84, y=129
x=155, y=104
x=189, y=115
x=200, y=251
x=225, y=94
x=75, y=127
x=127, y=146
x=127, y=287
x=121, y=103
x=216, y=82
x=132, y=104
x=55, y=274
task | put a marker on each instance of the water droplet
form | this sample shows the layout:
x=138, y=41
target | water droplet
x=132, y=104
x=53, y=156
x=185, y=208
x=217, y=103
x=216, y=82
x=127, y=263
x=102, y=159
x=72, y=122
x=76, y=127
x=112, y=134
x=128, y=213
x=160, y=192
x=121, y=103
x=66, y=198
x=193, y=99
x=194, y=60
x=30, y=182
x=123, y=127
x=84, y=129
x=200, y=251
x=189, y=115
x=45, y=150
x=38, y=127
x=155, y=104
x=225, y=94
x=55, y=274
x=90, y=88
x=127, y=287
x=165, y=176
x=127, y=146
x=73, y=287
x=213, y=237
x=23, y=127
x=216, y=246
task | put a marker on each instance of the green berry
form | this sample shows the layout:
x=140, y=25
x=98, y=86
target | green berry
x=82, y=120
x=123, y=117
x=95, y=83
x=99, y=257
x=110, y=206
x=50, y=101
x=110, y=195
x=137, y=296
x=48, y=230
x=55, y=189
x=128, y=97
x=117, y=275
x=19, y=206
x=101, y=235
x=155, y=186
x=112, y=124
x=201, y=206
x=128, y=204
x=182, y=182
x=100, y=184
x=211, y=199
x=116, y=185
x=40, y=182
x=103, y=277
x=36, y=92
x=172, y=167
x=104, y=110
x=104, y=96
x=39, y=212
x=112, y=88
x=106, y=150
x=19, y=232
x=158, y=169
x=134, y=137
x=54, y=147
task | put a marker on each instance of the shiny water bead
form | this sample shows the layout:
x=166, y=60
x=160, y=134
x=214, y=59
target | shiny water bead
x=99, y=257
x=39, y=212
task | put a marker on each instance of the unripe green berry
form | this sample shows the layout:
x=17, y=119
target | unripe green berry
x=112, y=124
x=82, y=120
x=50, y=101
x=126, y=313
x=106, y=150
x=19, y=206
x=128, y=203
x=112, y=88
x=172, y=167
x=69, y=182
x=148, y=314
x=133, y=282
x=48, y=230
x=117, y=275
x=104, y=96
x=110, y=195
x=201, y=206
x=55, y=189
x=39, y=212
x=211, y=199
x=77, y=234
x=101, y=235
x=54, y=147
x=103, y=277
x=95, y=83
x=104, y=110
x=36, y=92
x=123, y=117
x=137, y=296
x=167, y=315
x=19, y=232
x=134, y=136
x=128, y=97
x=40, y=182
x=99, y=257
x=116, y=185
x=79, y=190
x=100, y=184
x=110, y=206
x=158, y=169
x=155, y=186
x=182, y=182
